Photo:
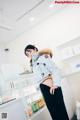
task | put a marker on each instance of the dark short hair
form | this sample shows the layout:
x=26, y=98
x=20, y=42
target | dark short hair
x=30, y=47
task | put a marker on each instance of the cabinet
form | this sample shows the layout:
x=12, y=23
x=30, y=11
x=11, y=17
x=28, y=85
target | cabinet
x=22, y=87
x=17, y=86
x=69, y=56
x=14, y=110
x=69, y=60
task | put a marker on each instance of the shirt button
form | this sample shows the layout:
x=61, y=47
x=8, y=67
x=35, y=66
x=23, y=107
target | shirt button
x=42, y=74
x=49, y=74
x=44, y=64
x=37, y=63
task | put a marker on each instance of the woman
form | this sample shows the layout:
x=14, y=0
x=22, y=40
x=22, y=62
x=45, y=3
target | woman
x=48, y=78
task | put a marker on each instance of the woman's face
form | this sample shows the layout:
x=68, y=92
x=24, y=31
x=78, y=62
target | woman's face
x=30, y=52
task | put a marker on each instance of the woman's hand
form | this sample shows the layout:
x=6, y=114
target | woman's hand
x=52, y=89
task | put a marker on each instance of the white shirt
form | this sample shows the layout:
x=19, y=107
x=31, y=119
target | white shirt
x=43, y=66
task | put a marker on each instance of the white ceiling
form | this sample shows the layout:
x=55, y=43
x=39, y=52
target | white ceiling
x=16, y=16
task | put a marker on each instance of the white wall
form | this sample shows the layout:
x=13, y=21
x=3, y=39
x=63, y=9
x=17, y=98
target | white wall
x=56, y=30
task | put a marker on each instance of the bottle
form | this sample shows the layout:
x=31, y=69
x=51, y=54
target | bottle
x=29, y=110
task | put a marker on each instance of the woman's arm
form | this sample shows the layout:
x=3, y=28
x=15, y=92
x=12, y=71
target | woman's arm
x=45, y=51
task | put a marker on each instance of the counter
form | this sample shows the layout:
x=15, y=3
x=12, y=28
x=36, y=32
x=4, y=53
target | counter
x=13, y=110
x=42, y=114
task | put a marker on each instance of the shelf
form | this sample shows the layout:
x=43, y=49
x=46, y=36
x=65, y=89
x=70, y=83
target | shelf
x=8, y=101
x=69, y=49
x=26, y=72
x=72, y=73
x=73, y=56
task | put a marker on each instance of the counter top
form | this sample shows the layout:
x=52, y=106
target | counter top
x=5, y=104
x=7, y=101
